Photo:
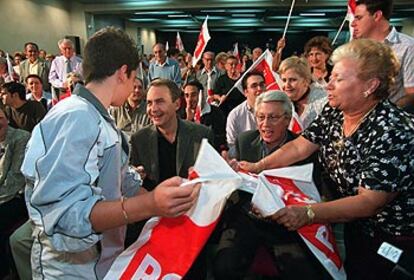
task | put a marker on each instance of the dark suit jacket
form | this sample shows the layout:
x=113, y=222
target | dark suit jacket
x=248, y=145
x=144, y=149
x=42, y=72
x=248, y=148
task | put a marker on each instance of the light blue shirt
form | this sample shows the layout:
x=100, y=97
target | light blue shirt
x=170, y=70
x=75, y=157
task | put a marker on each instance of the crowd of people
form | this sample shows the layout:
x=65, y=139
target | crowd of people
x=91, y=148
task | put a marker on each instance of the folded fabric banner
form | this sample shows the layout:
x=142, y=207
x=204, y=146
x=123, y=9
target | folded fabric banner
x=294, y=186
x=166, y=249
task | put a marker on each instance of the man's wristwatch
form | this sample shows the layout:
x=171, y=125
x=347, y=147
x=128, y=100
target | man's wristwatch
x=310, y=213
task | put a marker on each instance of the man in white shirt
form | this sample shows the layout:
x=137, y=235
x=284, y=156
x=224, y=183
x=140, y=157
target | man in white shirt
x=242, y=117
x=372, y=21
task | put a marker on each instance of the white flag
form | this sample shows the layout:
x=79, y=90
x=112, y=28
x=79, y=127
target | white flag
x=202, y=41
x=179, y=43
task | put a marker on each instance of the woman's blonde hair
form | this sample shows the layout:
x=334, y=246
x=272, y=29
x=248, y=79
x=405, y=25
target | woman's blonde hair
x=297, y=64
x=374, y=60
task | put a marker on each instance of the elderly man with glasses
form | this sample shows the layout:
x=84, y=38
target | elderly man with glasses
x=243, y=232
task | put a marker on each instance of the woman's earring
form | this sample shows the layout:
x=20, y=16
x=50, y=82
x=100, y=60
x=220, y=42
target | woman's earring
x=366, y=94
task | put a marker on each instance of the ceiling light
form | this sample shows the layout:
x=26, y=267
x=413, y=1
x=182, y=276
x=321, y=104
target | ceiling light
x=312, y=14
x=244, y=15
x=213, y=11
x=178, y=16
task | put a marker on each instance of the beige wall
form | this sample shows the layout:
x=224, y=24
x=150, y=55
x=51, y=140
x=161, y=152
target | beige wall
x=408, y=27
x=148, y=39
x=43, y=22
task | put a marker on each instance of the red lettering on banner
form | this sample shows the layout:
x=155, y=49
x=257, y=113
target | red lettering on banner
x=183, y=249
x=317, y=234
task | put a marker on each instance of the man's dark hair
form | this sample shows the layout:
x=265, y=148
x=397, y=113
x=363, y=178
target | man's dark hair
x=31, y=43
x=248, y=75
x=174, y=90
x=194, y=83
x=385, y=6
x=106, y=51
x=14, y=87
x=173, y=52
x=33, y=76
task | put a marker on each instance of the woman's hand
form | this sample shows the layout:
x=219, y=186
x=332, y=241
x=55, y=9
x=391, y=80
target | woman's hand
x=256, y=167
x=234, y=164
x=292, y=217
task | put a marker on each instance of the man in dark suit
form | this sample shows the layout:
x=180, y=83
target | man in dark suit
x=34, y=65
x=243, y=232
x=166, y=148
x=170, y=145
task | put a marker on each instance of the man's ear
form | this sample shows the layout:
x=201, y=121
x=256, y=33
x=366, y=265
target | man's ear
x=378, y=15
x=177, y=104
x=122, y=73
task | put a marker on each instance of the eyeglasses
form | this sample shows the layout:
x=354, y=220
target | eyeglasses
x=270, y=118
x=255, y=85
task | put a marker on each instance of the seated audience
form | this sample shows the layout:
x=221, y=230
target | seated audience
x=22, y=113
x=12, y=205
x=366, y=145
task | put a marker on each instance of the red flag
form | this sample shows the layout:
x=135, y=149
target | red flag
x=351, y=15
x=202, y=41
x=167, y=247
x=179, y=43
x=60, y=94
x=263, y=65
x=236, y=53
x=295, y=125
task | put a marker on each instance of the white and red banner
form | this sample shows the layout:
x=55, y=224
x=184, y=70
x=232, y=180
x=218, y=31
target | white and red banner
x=278, y=188
x=167, y=247
x=202, y=41
x=350, y=15
x=263, y=65
x=179, y=43
x=295, y=125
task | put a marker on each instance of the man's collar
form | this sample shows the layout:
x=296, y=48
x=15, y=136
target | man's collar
x=392, y=37
x=166, y=62
x=213, y=70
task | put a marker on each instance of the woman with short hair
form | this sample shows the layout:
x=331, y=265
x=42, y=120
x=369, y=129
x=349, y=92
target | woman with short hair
x=366, y=144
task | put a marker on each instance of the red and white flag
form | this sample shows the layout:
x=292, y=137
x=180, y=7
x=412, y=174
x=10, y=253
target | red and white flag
x=350, y=15
x=236, y=53
x=13, y=75
x=167, y=247
x=179, y=43
x=263, y=65
x=282, y=187
x=202, y=41
x=295, y=125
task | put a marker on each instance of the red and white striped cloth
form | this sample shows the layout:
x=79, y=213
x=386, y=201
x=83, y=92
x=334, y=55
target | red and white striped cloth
x=202, y=41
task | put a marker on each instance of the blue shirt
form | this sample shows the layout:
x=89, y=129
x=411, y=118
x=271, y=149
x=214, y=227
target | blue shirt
x=170, y=70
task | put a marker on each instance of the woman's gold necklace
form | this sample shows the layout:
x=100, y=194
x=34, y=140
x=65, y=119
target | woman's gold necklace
x=340, y=144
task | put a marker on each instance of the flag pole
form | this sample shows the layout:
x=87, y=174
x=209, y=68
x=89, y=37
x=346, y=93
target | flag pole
x=288, y=19
x=339, y=31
